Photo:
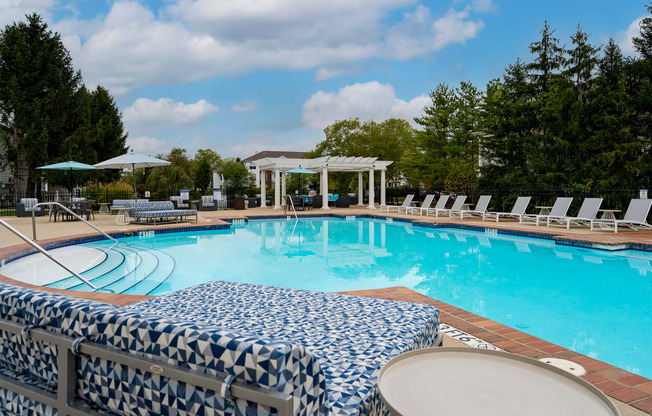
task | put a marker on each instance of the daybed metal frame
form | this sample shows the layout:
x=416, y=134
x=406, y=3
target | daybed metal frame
x=67, y=404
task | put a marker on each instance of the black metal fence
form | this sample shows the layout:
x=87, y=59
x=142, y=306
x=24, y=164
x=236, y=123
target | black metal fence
x=8, y=207
x=502, y=199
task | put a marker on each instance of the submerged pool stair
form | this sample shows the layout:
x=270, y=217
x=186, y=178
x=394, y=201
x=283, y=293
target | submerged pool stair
x=125, y=269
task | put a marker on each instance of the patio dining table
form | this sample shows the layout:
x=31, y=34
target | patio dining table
x=80, y=208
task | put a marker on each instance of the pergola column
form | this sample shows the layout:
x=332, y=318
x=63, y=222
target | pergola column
x=371, y=189
x=360, y=190
x=263, y=193
x=277, y=189
x=283, y=188
x=324, y=188
x=382, y=187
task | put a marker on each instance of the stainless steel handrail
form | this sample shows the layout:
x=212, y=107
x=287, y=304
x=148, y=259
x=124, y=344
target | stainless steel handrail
x=288, y=197
x=69, y=211
x=45, y=253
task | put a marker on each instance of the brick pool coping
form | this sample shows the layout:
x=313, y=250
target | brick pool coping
x=619, y=384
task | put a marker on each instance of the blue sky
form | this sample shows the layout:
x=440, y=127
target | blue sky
x=250, y=75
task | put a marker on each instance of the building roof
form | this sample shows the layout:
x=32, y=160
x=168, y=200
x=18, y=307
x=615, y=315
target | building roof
x=332, y=163
x=273, y=154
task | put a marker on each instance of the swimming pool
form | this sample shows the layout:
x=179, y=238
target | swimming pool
x=596, y=302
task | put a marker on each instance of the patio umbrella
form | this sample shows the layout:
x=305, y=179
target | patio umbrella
x=299, y=170
x=132, y=160
x=69, y=166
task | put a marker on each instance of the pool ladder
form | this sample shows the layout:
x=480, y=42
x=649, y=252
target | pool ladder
x=289, y=198
x=68, y=211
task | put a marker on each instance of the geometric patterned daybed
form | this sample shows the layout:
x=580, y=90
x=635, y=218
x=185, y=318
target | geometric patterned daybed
x=351, y=337
x=314, y=353
x=160, y=210
x=116, y=204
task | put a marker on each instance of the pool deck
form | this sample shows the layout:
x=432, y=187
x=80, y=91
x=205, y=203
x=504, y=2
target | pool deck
x=631, y=393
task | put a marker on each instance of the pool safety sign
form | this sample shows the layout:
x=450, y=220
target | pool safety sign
x=643, y=194
x=466, y=338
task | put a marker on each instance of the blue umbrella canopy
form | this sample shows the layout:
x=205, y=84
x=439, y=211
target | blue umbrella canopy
x=300, y=170
x=69, y=165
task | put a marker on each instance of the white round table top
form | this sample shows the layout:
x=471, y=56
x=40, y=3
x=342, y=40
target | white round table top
x=468, y=381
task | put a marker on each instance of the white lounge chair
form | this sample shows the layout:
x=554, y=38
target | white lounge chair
x=559, y=209
x=406, y=203
x=457, y=206
x=441, y=204
x=588, y=212
x=480, y=208
x=518, y=210
x=635, y=217
x=425, y=205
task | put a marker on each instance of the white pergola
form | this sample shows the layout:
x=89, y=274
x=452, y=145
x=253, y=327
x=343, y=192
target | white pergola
x=322, y=165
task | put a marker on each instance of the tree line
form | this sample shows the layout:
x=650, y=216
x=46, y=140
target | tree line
x=47, y=114
x=577, y=116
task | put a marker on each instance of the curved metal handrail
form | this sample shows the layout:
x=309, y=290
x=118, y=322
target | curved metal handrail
x=68, y=210
x=289, y=198
x=45, y=253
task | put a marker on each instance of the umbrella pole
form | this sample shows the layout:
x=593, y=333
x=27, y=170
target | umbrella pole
x=133, y=169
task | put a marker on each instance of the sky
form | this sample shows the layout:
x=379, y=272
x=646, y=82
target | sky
x=243, y=76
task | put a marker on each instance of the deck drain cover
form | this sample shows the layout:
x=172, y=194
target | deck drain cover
x=565, y=365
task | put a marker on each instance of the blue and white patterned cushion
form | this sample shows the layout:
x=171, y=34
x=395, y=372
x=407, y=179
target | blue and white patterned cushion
x=29, y=203
x=275, y=364
x=154, y=206
x=352, y=337
x=127, y=203
x=179, y=200
x=164, y=214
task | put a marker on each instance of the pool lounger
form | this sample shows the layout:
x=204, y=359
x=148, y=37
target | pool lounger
x=310, y=352
x=518, y=210
x=160, y=210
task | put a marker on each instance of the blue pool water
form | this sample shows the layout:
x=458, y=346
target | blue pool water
x=596, y=302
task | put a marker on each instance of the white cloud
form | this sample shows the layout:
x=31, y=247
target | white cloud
x=420, y=34
x=371, y=100
x=194, y=40
x=146, y=114
x=15, y=10
x=147, y=145
x=264, y=141
x=625, y=38
x=245, y=107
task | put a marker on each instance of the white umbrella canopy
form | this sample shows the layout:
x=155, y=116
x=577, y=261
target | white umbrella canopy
x=132, y=160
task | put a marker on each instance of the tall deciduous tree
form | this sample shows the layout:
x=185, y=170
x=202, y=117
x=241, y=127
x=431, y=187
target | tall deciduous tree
x=173, y=177
x=387, y=140
x=236, y=175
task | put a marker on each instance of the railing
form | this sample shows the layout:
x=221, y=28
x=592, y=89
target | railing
x=289, y=198
x=70, y=212
x=45, y=253
x=66, y=402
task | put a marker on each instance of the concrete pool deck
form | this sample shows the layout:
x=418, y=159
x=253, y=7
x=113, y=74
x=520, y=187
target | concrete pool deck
x=629, y=391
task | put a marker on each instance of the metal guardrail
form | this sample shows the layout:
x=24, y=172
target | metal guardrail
x=45, y=253
x=66, y=403
x=69, y=211
x=289, y=198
